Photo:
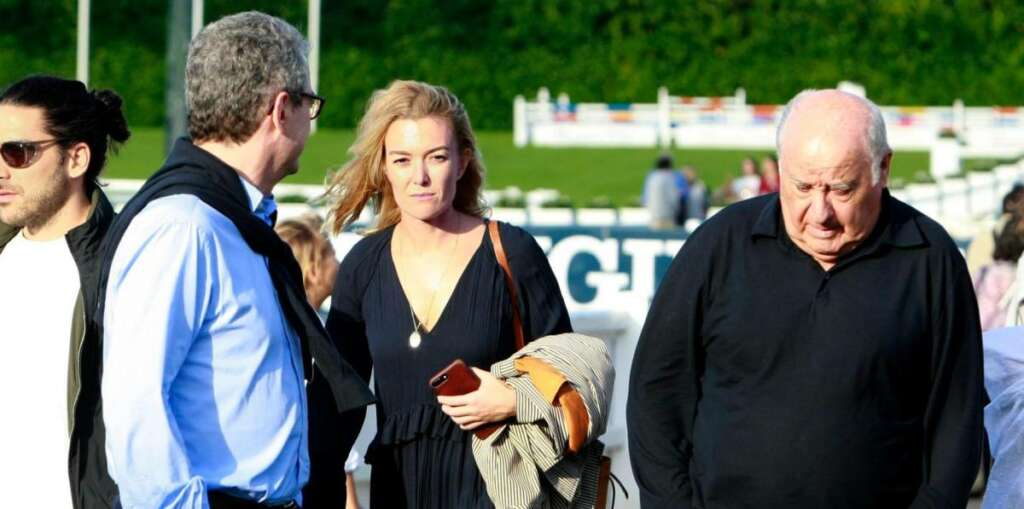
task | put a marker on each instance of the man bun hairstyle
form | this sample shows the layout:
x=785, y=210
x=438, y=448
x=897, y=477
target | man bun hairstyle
x=73, y=114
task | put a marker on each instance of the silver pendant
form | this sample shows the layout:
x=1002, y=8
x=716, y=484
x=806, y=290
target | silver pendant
x=414, y=339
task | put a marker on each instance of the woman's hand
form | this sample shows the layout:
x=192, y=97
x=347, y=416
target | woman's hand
x=492, y=402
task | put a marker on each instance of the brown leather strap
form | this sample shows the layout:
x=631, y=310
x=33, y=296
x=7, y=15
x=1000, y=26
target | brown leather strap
x=510, y=282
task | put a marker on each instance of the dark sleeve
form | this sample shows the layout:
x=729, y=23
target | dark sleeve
x=664, y=383
x=331, y=435
x=953, y=416
x=541, y=305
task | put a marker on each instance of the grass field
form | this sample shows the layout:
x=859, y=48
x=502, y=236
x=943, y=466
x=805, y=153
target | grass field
x=580, y=173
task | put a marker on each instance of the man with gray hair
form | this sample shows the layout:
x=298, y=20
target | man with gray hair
x=819, y=347
x=207, y=337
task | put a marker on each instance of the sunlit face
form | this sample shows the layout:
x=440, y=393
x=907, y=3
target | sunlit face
x=31, y=196
x=829, y=203
x=423, y=165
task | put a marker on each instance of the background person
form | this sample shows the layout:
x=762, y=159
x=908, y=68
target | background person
x=319, y=264
x=54, y=139
x=662, y=194
x=423, y=289
x=698, y=198
x=769, y=175
x=748, y=183
x=982, y=246
x=995, y=282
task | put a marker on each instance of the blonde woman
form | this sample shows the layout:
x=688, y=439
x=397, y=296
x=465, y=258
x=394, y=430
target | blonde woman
x=424, y=288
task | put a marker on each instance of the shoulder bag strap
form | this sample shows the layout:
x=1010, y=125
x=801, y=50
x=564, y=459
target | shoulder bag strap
x=510, y=282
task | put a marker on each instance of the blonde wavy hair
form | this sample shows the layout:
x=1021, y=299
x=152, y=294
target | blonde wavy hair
x=362, y=180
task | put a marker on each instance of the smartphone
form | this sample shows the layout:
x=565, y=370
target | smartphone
x=458, y=379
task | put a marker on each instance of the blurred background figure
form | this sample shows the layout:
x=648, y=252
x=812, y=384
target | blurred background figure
x=769, y=175
x=319, y=264
x=982, y=246
x=661, y=194
x=748, y=184
x=994, y=282
x=697, y=199
x=314, y=253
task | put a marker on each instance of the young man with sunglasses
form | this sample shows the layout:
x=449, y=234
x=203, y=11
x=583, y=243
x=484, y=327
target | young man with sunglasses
x=54, y=139
x=208, y=338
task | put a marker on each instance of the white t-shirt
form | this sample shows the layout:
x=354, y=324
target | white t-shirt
x=39, y=285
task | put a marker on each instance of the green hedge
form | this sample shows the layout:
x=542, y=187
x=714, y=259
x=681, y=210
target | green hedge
x=904, y=52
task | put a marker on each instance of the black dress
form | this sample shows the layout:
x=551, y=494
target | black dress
x=420, y=458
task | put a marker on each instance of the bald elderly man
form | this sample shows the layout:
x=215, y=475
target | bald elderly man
x=819, y=347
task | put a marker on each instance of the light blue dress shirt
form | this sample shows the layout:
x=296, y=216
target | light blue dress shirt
x=202, y=381
x=1004, y=416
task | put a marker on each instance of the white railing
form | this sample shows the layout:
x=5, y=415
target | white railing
x=958, y=203
x=729, y=122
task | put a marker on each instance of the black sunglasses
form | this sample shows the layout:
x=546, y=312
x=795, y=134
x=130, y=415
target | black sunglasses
x=21, y=154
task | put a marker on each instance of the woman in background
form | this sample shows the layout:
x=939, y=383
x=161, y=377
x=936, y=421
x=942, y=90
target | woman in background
x=313, y=250
x=424, y=288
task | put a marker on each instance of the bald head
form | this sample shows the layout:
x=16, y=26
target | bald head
x=836, y=117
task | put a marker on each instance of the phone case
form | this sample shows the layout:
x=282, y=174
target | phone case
x=458, y=379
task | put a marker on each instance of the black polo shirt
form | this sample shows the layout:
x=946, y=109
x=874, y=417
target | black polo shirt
x=762, y=380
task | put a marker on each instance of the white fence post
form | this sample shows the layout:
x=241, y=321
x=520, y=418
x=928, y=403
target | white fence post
x=664, y=118
x=520, y=131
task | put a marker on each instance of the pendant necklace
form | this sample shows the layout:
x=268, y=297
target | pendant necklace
x=415, y=338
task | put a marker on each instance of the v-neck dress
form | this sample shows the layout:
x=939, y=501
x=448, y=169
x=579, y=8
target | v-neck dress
x=419, y=457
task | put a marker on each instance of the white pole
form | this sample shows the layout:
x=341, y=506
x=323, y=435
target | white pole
x=82, y=64
x=520, y=126
x=314, y=50
x=197, y=17
x=664, y=118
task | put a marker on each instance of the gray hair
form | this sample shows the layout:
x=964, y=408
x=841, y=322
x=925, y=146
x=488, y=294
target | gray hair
x=875, y=140
x=235, y=67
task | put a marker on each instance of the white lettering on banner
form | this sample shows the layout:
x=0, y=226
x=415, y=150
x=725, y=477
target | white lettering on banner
x=612, y=287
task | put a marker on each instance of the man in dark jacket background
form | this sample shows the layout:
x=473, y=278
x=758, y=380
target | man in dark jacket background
x=54, y=139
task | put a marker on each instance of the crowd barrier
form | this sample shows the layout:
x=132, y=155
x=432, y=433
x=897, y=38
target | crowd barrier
x=729, y=122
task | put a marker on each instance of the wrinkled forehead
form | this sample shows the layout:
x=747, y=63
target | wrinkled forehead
x=21, y=123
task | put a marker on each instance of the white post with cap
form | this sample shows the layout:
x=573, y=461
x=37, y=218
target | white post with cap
x=82, y=60
x=197, y=17
x=314, y=51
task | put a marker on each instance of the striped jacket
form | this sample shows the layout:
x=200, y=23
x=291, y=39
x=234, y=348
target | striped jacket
x=527, y=464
